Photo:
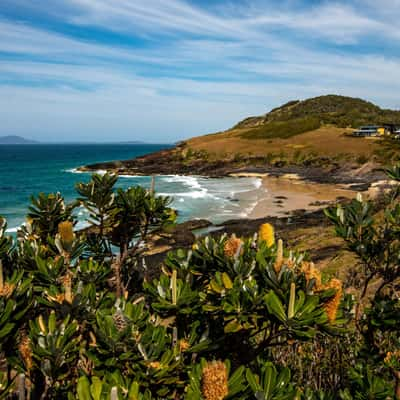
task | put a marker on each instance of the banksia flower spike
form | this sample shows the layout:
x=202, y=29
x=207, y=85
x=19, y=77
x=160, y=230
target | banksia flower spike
x=232, y=246
x=66, y=281
x=174, y=287
x=215, y=381
x=332, y=305
x=266, y=234
x=183, y=345
x=6, y=289
x=66, y=232
x=119, y=320
x=114, y=393
x=154, y=364
x=279, y=257
x=392, y=355
x=25, y=350
x=292, y=299
x=311, y=272
x=59, y=298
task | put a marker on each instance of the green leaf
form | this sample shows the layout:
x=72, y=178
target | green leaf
x=275, y=306
x=251, y=379
x=269, y=381
x=96, y=388
x=283, y=379
x=215, y=287
x=6, y=329
x=233, y=326
x=52, y=322
x=134, y=391
x=227, y=281
x=83, y=388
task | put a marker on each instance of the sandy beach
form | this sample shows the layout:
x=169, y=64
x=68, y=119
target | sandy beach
x=279, y=196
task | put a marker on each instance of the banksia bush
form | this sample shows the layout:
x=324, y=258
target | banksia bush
x=214, y=381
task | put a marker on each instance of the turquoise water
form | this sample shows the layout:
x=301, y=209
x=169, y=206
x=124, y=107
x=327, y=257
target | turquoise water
x=30, y=169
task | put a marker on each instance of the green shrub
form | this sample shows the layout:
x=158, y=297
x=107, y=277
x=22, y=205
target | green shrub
x=282, y=129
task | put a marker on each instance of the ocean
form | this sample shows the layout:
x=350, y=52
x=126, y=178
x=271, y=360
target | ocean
x=26, y=170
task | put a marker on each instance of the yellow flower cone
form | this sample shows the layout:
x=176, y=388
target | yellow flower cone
x=267, y=234
x=215, y=381
x=332, y=305
x=232, y=246
x=66, y=231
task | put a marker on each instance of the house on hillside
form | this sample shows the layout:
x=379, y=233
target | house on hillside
x=375, y=130
x=368, y=131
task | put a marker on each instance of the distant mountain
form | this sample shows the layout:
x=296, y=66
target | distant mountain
x=13, y=139
x=133, y=142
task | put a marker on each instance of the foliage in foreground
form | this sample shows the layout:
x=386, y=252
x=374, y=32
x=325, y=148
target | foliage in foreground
x=232, y=318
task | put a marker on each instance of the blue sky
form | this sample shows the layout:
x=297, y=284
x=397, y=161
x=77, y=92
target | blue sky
x=163, y=70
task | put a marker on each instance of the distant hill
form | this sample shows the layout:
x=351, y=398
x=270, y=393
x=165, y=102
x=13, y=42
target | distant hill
x=301, y=128
x=133, y=142
x=12, y=139
x=296, y=117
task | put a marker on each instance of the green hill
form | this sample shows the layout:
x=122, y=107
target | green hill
x=296, y=117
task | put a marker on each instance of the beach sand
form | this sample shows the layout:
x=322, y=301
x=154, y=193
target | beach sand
x=279, y=196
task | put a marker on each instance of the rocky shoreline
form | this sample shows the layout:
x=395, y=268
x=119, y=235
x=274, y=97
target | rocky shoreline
x=175, y=162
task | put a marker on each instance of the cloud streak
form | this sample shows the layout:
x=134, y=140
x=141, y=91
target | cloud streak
x=179, y=68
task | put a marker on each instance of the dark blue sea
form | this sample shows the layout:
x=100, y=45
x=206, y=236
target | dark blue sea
x=26, y=170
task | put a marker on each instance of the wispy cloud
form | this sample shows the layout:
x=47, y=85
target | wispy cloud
x=179, y=68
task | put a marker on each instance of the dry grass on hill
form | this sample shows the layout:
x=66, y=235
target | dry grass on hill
x=326, y=141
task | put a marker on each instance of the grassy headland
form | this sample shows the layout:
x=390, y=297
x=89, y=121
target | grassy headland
x=298, y=130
